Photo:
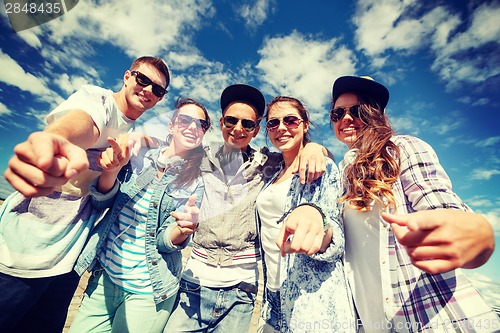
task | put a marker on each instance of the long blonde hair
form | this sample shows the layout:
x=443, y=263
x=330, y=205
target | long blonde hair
x=376, y=168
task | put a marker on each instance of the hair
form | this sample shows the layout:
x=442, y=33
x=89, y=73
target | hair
x=297, y=105
x=191, y=170
x=155, y=62
x=376, y=168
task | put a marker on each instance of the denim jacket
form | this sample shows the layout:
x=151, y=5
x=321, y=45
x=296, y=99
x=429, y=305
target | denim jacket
x=313, y=294
x=164, y=259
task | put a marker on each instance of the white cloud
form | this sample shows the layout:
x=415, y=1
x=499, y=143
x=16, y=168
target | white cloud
x=255, y=15
x=484, y=174
x=4, y=109
x=489, y=288
x=14, y=75
x=70, y=84
x=135, y=28
x=30, y=37
x=493, y=216
x=407, y=26
x=304, y=67
x=491, y=141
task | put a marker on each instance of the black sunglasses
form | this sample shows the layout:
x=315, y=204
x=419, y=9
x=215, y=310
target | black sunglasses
x=289, y=121
x=145, y=81
x=247, y=124
x=185, y=120
x=339, y=113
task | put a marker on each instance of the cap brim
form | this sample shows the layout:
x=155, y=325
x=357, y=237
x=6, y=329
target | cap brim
x=245, y=94
x=361, y=85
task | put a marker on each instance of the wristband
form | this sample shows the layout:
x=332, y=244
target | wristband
x=319, y=210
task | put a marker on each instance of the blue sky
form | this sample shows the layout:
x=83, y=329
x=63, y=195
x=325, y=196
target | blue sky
x=440, y=61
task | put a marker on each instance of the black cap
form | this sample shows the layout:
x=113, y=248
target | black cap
x=245, y=94
x=362, y=84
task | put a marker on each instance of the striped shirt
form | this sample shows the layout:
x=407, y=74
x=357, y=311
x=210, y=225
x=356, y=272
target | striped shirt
x=415, y=301
x=124, y=256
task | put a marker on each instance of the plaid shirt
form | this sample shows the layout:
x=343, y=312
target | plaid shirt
x=415, y=301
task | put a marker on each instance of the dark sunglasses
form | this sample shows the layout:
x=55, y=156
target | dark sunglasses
x=145, y=81
x=184, y=120
x=289, y=121
x=339, y=113
x=247, y=124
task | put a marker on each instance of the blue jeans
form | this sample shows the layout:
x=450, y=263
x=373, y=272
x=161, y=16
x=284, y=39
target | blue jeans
x=202, y=309
x=108, y=308
x=272, y=309
x=35, y=305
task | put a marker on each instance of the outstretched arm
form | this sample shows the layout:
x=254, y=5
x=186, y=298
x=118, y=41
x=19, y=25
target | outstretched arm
x=444, y=239
x=303, y=232
x=50, y=158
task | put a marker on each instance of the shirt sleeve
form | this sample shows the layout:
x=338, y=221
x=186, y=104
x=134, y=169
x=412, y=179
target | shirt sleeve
x=164, y=239
x=88, y=98
x=424, y=181
x=324, y=192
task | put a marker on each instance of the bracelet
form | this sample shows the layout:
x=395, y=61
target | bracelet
x=319, y=210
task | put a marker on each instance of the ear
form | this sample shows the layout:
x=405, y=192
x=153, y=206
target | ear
x=221, y=123
x=170, y=127
x=256, y=131
x=306, y=126
x=126, y=76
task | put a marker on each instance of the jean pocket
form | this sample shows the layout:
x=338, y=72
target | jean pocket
x=187, y=286
x=245, y=296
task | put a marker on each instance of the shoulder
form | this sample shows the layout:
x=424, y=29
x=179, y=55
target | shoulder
x=411, y=142
x=331, y=166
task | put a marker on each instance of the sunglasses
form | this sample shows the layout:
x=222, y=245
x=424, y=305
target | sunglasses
x=184, y=120
x=289, y=121
x=247, y=124
x=145, y=81
x=339, y=113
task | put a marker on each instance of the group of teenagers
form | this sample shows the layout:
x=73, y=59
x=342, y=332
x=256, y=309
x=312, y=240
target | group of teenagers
x=373, y=244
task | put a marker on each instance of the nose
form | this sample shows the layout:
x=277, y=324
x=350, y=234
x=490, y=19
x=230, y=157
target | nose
x=238, y=126
x=148, y=88
x=348, y=116
x=193, y=126
x=281, y=126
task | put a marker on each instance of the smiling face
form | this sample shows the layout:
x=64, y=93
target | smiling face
x=138, y=98
x=236, y=137
x=186, y=136
x=348, y=128
x=288, y=139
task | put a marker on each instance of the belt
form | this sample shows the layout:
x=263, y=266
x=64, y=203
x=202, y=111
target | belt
x=245, y=286
x=248, y=287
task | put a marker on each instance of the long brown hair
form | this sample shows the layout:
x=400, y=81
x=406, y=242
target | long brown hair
x=376, y=168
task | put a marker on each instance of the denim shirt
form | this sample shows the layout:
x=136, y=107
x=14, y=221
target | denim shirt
x=313, y=294
x=164, y=259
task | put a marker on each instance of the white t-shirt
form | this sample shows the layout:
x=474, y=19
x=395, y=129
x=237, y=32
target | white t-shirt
x=100, y=104
x=271, y=206
x=362, y=233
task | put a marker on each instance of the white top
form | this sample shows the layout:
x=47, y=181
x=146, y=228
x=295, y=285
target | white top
x=362, y=232
x=271, y=206
x=100, y=104
x=204, y=274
